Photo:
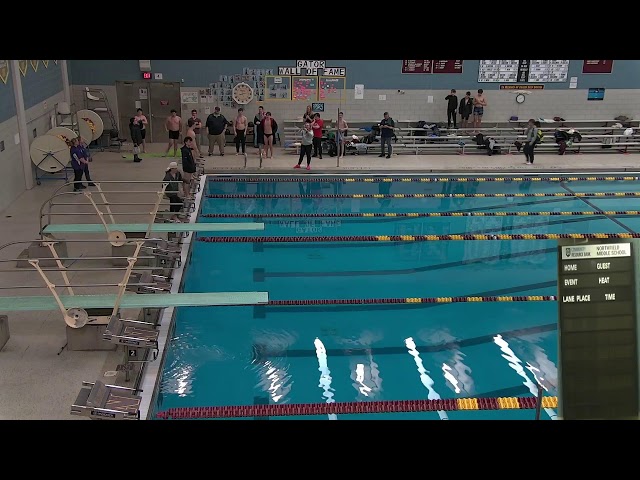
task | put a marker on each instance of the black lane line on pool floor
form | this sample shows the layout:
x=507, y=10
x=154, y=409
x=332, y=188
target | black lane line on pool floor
x=259, y=274
x=261, y=353
x=260, y=311
x=260, y=246
x=614, y=220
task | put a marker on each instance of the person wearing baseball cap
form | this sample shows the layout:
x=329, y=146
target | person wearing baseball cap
x=173, y=178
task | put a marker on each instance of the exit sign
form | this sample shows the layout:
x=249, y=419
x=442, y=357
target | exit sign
x=146, y=75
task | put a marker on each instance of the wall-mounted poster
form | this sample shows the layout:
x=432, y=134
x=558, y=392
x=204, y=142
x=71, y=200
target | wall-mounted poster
x=597, y=66
x=446, y=66
x=305, y=88
x=277, y=87
x=332, y=88
x=189, y=97
x=548, y=71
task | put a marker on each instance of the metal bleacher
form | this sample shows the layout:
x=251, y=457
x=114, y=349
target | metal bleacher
x=598, y=135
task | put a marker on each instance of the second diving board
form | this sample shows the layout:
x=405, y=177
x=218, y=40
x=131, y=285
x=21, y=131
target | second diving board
x=155, y=228
x=35, y=303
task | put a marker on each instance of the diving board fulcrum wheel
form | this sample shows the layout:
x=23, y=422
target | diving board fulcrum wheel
x=89, y=118
x=49, y=153
x=62, y=132
x=76, y=317
x=117, y=238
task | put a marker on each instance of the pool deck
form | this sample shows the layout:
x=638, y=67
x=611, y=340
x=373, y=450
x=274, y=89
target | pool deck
x=40, y=378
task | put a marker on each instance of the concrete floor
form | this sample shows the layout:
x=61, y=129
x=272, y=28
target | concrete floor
x=39, y=379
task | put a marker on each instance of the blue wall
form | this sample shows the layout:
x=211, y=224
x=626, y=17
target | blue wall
x=40, y=85
x=7, y=100
x=374, y=74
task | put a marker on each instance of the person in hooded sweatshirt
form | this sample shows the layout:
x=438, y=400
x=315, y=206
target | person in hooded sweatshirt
x=452, y=107
x=305, y=148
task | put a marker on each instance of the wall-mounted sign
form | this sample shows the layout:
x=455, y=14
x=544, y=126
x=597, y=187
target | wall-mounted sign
x=157, y=76
x=517, y=86
x=595, y=94
x=164, y=103
x=312, y=68
x=143, y=94
x=521, y=71
x=597, y=66
x=317, y=107
x=432, y=66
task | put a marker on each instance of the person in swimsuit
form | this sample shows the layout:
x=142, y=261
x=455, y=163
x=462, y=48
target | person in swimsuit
x=270, y=128
x=141, y=120
x=479, y=102
x=173, y=125
x=191, y=133
x=240, y=127
x=196, y=123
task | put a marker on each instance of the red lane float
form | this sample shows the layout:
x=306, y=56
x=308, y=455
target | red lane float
x=342, y=408
x=423, y=195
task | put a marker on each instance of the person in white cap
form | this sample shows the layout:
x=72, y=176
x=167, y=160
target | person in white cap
x=173, y=178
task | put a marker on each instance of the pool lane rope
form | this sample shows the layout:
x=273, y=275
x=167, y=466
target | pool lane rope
x=320, y=179
x=414, y=238
x=416, y=214
x=424, y=195
x=346, y=408
x=414, y=300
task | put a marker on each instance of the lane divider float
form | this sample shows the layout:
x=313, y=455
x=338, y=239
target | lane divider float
x=416, y=214
x=414, y=300
x=425, y=195
x=345, y=408
x=316, y=179
x=414, y=238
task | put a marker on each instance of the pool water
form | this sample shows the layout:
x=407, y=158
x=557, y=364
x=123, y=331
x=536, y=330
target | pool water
x=222, y=356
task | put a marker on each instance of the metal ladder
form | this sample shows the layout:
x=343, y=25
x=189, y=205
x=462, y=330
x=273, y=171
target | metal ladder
x=96, y=99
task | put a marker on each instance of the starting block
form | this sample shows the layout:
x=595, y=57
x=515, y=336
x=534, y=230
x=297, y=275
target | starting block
x=131, y=332
x=98, y=401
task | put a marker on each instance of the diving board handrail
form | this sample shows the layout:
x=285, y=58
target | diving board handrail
x=62, y=268
x=51, y=286
x=123, y=285
x=49, y=203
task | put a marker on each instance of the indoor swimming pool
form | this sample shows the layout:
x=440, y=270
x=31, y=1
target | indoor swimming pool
x=291, y=354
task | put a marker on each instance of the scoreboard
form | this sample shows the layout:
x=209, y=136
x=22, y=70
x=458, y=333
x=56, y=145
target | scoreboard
x=597, y=330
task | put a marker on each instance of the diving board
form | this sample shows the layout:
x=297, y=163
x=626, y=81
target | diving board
x=155, y=227
x=21, y=304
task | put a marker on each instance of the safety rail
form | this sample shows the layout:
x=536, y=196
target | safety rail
x=415, y=238
x=49, y=204
x=346, y=408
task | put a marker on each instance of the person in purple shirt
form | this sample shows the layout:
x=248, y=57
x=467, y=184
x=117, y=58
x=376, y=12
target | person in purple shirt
x=80, y=164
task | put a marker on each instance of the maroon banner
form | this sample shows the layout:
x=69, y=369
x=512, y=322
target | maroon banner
x=416, y=66
x=597, y=66
x=447, y=66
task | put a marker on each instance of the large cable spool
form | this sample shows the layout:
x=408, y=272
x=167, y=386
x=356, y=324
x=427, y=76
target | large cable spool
x=63, y=133
x=49, y=153
x=90, y=125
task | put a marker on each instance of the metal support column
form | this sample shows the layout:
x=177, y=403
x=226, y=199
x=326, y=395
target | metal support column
x=65, y=81
x=27, y=165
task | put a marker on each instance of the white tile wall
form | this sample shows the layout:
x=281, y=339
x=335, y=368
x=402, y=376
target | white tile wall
x=413, y=105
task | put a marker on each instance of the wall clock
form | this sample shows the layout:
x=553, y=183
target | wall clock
x=520, y=98
x=242, y=93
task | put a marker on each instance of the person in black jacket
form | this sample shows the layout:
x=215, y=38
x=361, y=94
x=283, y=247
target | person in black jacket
x=188, y=165
x=216, y=126
x=452, y=106
x=466, y=108
x=173, y=179
x=258, y=130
